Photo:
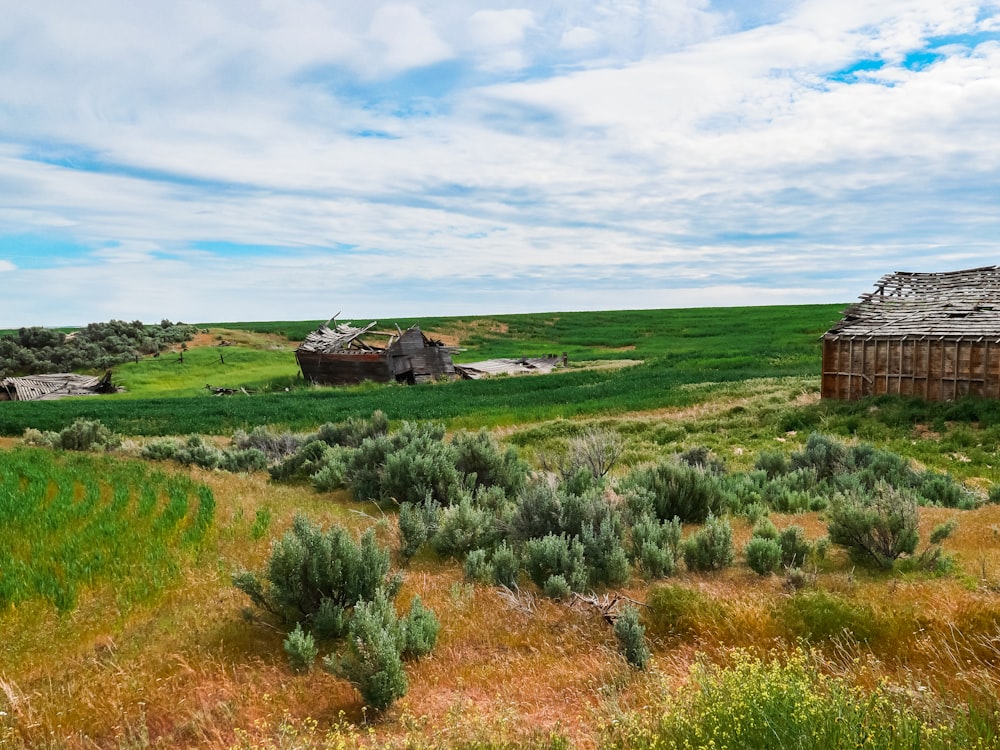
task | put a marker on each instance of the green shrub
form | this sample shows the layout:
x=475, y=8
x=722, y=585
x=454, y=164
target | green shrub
x=352, y=432
x=197, y=452
x=765, y=529
x=943, y=490
x=478, y=454
x=463, y=528
x=763, y=555
x=772, y=463
x=711, y=547
x=556, y=587
x=673, y=490
x=417, y=523
x=538, y=510
x=422, y=468
x=372, y=661
x=330, y=472
x=631, y=637
x=302, y=464
x=301, y=649
x=877, y=527
x=427, y=466
x=276, y=446
x=88, y=435
x=556, y=555
x=994, y=496
x=420, y=629
x=656, y=545
x=160, y=450
x=701, y=457
x=822, y=454
x=505, y=566
x=795, y=548
x=243, y=461
x=316, y=577
x=477, y=566
x=604, y=551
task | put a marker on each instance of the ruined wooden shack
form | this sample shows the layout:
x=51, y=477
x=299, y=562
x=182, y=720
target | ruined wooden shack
x=932, y=335
x=344, y=355
x=52, y=386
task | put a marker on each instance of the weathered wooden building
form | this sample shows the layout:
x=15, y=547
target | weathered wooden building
x=344, y=355
x=932, y=335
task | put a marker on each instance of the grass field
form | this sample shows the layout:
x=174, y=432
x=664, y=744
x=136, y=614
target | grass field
x=857, y=657
x=675, y=347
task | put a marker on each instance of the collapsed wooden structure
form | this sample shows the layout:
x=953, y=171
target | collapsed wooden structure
x=343, y=355
x=932, y=335
x=523, y=366
x=53, y=386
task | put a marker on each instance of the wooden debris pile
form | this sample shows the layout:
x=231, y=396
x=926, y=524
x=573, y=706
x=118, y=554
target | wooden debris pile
x=522, y=366
x=49, y=387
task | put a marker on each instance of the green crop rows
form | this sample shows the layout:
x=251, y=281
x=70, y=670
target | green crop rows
x=68, y=522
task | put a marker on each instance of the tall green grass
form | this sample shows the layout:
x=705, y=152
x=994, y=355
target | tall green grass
x=790, y=703
x=68, y=522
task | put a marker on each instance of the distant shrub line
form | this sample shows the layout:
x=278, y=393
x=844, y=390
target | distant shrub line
x=96, y=346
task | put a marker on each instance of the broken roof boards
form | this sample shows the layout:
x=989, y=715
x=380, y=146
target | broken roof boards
x=345, y=355
x=53, y=386
x=932, y=335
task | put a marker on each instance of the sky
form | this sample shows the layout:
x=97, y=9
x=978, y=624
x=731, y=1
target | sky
x=247, y=160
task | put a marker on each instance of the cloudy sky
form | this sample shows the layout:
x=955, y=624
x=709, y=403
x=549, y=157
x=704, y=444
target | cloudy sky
x=220, y=160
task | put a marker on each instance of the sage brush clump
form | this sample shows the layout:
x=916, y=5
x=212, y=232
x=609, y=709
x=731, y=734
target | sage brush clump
x=631, y=637
x=876, y=527
x=316, y=577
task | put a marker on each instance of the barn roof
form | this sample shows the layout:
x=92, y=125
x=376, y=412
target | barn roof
x=341, y=337
x=55, y=385
x=954, y=304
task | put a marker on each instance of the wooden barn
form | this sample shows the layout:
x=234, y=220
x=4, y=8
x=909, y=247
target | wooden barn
x=932, y=335
x=345, y=355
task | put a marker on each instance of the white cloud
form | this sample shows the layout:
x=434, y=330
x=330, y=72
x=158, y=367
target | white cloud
x=495, y=28
x=408, y=38
x=578, y=38
x=6, y=265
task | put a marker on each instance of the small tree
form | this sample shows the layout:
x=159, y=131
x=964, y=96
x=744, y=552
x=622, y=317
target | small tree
x=878, y=527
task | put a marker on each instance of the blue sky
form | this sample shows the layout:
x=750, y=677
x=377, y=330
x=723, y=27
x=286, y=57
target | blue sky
x=213, y=160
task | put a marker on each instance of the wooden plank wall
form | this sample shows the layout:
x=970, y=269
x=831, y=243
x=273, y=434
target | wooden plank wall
x=934, y=369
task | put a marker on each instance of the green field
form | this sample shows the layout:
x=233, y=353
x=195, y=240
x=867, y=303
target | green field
x=674, y=347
